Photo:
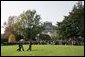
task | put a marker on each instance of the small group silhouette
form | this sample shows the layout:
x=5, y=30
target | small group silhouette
x=21, y=42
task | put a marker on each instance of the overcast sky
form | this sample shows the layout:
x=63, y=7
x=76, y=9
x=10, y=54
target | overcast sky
x=52, y=11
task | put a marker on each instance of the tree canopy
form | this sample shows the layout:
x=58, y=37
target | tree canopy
x=73, y=24
x=28, y=24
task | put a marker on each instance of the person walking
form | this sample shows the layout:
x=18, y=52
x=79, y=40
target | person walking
x=21, y=42
x=30, y=45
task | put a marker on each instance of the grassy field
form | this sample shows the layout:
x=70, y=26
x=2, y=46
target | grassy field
x=43, y=50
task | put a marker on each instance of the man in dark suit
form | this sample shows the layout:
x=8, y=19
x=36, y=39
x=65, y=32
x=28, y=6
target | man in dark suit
x=21, y=42
x=30, y=45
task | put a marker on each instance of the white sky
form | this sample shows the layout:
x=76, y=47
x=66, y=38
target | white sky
x=52, y=11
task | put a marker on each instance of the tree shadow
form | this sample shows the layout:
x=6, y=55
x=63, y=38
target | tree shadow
x=36, y=50
x=31, y=50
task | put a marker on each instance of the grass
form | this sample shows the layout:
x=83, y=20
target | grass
x=43, y=50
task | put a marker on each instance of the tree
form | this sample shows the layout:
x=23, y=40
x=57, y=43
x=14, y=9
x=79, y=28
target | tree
x=44, y=37
x=28, y=24
x=73, y=24
x=8, y=26
x=9, y=30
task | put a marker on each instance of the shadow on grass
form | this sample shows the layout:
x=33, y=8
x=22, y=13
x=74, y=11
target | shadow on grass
x=29, y=50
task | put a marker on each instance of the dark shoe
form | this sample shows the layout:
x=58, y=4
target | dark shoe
x=27, y=49
x=23, y=50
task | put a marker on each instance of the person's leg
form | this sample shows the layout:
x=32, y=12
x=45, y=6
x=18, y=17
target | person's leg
x=22, y=48
x=18, y=48
x=27, y=49
x=30, y=47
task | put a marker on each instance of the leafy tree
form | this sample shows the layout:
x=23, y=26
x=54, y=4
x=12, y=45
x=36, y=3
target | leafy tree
x=73, y=24
x=8, y=26
x=28, y=24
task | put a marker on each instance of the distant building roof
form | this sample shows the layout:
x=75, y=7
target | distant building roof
x=49, y=26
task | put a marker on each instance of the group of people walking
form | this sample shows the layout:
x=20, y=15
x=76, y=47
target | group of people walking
x=21, y=42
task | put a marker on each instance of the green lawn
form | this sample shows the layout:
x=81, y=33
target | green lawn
x=43, y=50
